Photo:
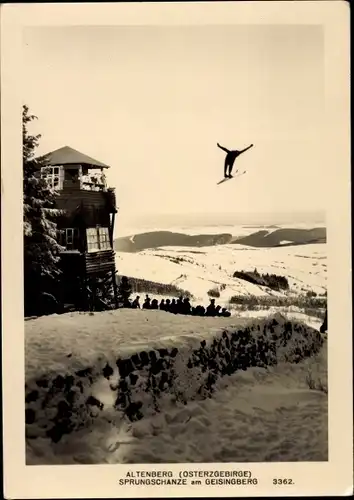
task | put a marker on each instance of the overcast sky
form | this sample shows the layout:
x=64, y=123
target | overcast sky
x=152, y=102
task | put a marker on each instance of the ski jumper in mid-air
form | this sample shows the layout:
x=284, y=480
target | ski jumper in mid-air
x=230, y=159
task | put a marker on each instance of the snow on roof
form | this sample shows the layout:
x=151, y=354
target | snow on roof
x=69, y=156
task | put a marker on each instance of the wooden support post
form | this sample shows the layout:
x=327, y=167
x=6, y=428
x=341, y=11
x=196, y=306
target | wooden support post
x=115, y=289
x=94, y=294
x=112, y=230
x=85, y=293
x=114, y=282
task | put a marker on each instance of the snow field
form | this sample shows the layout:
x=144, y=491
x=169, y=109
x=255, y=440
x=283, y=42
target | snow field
x=208, y=267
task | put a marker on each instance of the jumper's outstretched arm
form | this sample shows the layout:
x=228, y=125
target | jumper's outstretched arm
x=224, y=149
x=243, y=150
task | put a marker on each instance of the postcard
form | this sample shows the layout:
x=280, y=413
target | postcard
x=176, y=252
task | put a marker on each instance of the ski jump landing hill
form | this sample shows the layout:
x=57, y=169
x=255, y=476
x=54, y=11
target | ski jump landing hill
x=133, y=361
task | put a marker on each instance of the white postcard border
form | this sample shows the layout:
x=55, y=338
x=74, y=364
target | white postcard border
x=101, y=481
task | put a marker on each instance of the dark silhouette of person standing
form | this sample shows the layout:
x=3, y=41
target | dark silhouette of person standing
x=324, y=325
x=230, y=158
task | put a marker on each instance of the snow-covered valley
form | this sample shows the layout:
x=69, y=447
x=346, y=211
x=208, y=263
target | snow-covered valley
x=200, y=269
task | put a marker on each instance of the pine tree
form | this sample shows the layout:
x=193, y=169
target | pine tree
x=124, y=291
x=41, y=250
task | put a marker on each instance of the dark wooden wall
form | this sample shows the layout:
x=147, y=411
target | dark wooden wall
x=85, y=208
x=100, y=262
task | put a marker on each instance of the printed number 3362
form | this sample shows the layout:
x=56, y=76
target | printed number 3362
x=283, y=481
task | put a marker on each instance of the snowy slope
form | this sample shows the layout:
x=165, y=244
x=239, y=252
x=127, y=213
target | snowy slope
x=261, y=414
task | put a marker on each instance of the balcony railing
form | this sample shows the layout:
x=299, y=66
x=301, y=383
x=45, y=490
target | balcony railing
x=93, y=182
x=60, y=179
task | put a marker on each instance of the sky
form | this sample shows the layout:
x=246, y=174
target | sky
x=153, y=101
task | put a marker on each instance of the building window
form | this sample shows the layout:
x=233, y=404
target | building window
x=69, y=237
x=92, y=240
x=105, y=244
x=53, y=176
x=98, y=239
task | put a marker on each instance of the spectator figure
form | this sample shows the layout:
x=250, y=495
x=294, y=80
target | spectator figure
x=136, y=303
x=324, y=326
x=179, y=305
x=217, y=311
x=199, y=310
x=182, y=306
x=210, y=310
x=174, y=306
x=194, y=311
x=146, y=304
x=162, y=305
x=225, y=313
x=168, y=305
x=186, y=306
x=154, y=304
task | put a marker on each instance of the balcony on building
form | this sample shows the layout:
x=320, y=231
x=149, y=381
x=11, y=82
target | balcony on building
x=68, y=171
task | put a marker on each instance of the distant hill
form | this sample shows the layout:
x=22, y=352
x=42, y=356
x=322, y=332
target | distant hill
x=283, y=237
x=264, y=238
x=157, y=239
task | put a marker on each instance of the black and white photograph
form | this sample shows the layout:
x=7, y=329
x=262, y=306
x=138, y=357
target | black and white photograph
x=175, y=225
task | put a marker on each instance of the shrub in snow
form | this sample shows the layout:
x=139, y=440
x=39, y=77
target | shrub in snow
x=214, y=292
x=124, y=291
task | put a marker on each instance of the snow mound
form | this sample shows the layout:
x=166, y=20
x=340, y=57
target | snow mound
x=105, y=381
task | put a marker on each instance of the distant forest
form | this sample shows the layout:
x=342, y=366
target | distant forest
x=272, y=281
x=139, y=285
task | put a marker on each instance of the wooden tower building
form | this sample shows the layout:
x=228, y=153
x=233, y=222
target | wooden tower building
x=85, y=230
